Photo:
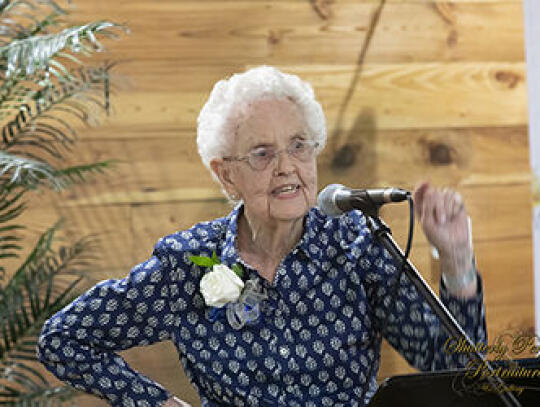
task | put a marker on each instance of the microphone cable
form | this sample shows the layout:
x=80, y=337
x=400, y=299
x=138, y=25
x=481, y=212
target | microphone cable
x=411, y=226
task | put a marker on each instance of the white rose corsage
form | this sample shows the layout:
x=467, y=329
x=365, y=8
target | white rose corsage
x=224, y=290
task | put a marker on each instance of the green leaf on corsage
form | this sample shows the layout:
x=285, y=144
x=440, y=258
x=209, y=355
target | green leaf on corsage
x=205, y=261
x=237, y=269
x=215, y=258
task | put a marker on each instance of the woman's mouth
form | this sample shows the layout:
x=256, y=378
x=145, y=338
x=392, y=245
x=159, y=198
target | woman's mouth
x=286, y=190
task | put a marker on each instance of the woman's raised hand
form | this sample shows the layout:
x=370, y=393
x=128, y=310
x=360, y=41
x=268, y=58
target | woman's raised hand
x=443, y=217
x=447, y=226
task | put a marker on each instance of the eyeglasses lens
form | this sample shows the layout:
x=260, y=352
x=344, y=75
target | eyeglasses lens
x=261, y=158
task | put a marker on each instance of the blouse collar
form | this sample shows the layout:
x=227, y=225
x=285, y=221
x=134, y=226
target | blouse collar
x=307, y=247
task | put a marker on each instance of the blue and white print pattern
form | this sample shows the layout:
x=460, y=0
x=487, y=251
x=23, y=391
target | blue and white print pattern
x=316, y=342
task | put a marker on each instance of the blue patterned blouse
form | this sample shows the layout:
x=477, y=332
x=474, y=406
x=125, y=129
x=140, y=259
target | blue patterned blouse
x=316, y=342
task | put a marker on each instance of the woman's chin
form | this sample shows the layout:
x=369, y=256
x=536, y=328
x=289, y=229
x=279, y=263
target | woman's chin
x=288, y=208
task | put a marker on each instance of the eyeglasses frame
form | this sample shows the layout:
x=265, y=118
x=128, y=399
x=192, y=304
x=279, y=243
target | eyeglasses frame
x=314, y=145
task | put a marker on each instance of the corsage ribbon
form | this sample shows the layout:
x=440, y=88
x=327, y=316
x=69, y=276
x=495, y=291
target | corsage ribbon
x=246, y=309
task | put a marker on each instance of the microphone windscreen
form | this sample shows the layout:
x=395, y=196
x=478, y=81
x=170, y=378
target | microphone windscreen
x=326, y=200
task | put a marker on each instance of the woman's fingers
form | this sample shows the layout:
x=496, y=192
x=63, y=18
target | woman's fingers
x=428, y=216
x=447, y=196
x=439, y=205
x=418, y=196
x=453, y=203
x=435, y=205
x=457, y=204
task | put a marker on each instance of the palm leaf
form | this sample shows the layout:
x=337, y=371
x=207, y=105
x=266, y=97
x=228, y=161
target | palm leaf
x=40, y=250
x=28, y=55
x=30, y=65
x=7, y=7
x=40, y=94
x=23, y=19
x=30, y=173
x=40, y=26
x=11, y=206
x=78, y=174
x=13, y=95
x=32, y=132
x=4, y=4
x=30, y=297
x=25, y=171
x=43, y=396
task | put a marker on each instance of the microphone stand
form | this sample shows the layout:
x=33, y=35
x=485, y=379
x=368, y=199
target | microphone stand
x=383, y=235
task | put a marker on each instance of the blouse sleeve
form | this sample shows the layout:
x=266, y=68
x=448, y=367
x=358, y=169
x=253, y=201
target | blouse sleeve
x=407, y=321
x=78, y=344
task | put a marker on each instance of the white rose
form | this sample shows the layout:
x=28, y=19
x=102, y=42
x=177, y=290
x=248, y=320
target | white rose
x=220, y=286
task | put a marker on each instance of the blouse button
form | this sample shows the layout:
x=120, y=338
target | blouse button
x=283, y=351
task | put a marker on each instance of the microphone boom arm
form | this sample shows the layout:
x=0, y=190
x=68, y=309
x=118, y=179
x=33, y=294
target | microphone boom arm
x=364, y=202
x=383, y=235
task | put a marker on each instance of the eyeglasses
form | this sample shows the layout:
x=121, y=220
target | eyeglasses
x=260, y=157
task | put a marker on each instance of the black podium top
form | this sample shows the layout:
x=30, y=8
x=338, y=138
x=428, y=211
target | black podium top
x=457, y=388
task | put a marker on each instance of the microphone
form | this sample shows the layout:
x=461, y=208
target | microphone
x=336, y=199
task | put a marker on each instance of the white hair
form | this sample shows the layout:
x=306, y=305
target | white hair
x=229, y=98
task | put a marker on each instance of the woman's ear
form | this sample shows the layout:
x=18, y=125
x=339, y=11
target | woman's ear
x=222, y=172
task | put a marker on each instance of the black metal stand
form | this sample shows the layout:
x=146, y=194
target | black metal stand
x=383, y=235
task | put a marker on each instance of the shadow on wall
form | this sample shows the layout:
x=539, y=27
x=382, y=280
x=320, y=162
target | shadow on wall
x=351, y=156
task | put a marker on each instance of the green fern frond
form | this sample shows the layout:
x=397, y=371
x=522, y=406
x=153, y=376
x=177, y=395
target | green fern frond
x=25, y=307
x=44, y=396
x=30, y=174
x=40, y=250
x=40, y=26
x=22, y=19
x=9, y=247
x=26, y=172
x=4, y=5
x=11, y=206
x=79, y=174
x=33, y=54
x=29, y=298
x=8, y=7
x=13, y=94
x=40, y=94
x=32, y=131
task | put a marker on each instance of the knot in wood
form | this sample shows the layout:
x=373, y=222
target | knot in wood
x=507, y=77
x=439, y=154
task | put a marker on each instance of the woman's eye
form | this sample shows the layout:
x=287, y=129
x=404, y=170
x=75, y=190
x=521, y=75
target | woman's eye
x=298, y=145
x=261, y=153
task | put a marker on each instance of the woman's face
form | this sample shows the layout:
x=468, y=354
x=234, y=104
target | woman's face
x=287, y=187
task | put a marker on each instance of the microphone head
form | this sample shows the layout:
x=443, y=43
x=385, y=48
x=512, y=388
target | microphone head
x=326, y=201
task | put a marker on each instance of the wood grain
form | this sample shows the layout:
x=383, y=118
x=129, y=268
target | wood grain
x=209, y=33
x=362, y=157
x=392, y=96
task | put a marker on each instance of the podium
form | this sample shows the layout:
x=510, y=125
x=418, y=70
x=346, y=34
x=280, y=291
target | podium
x=453, y=388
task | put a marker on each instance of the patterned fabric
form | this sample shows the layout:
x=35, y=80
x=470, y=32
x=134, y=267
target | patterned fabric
x=316, y=343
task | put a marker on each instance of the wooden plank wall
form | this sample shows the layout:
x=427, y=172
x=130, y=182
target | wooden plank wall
x=441, y=94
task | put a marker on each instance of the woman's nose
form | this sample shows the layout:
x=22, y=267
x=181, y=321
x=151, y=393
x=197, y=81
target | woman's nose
x=283, y=163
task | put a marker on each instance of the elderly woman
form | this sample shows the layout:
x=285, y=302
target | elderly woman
x=300, y=320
